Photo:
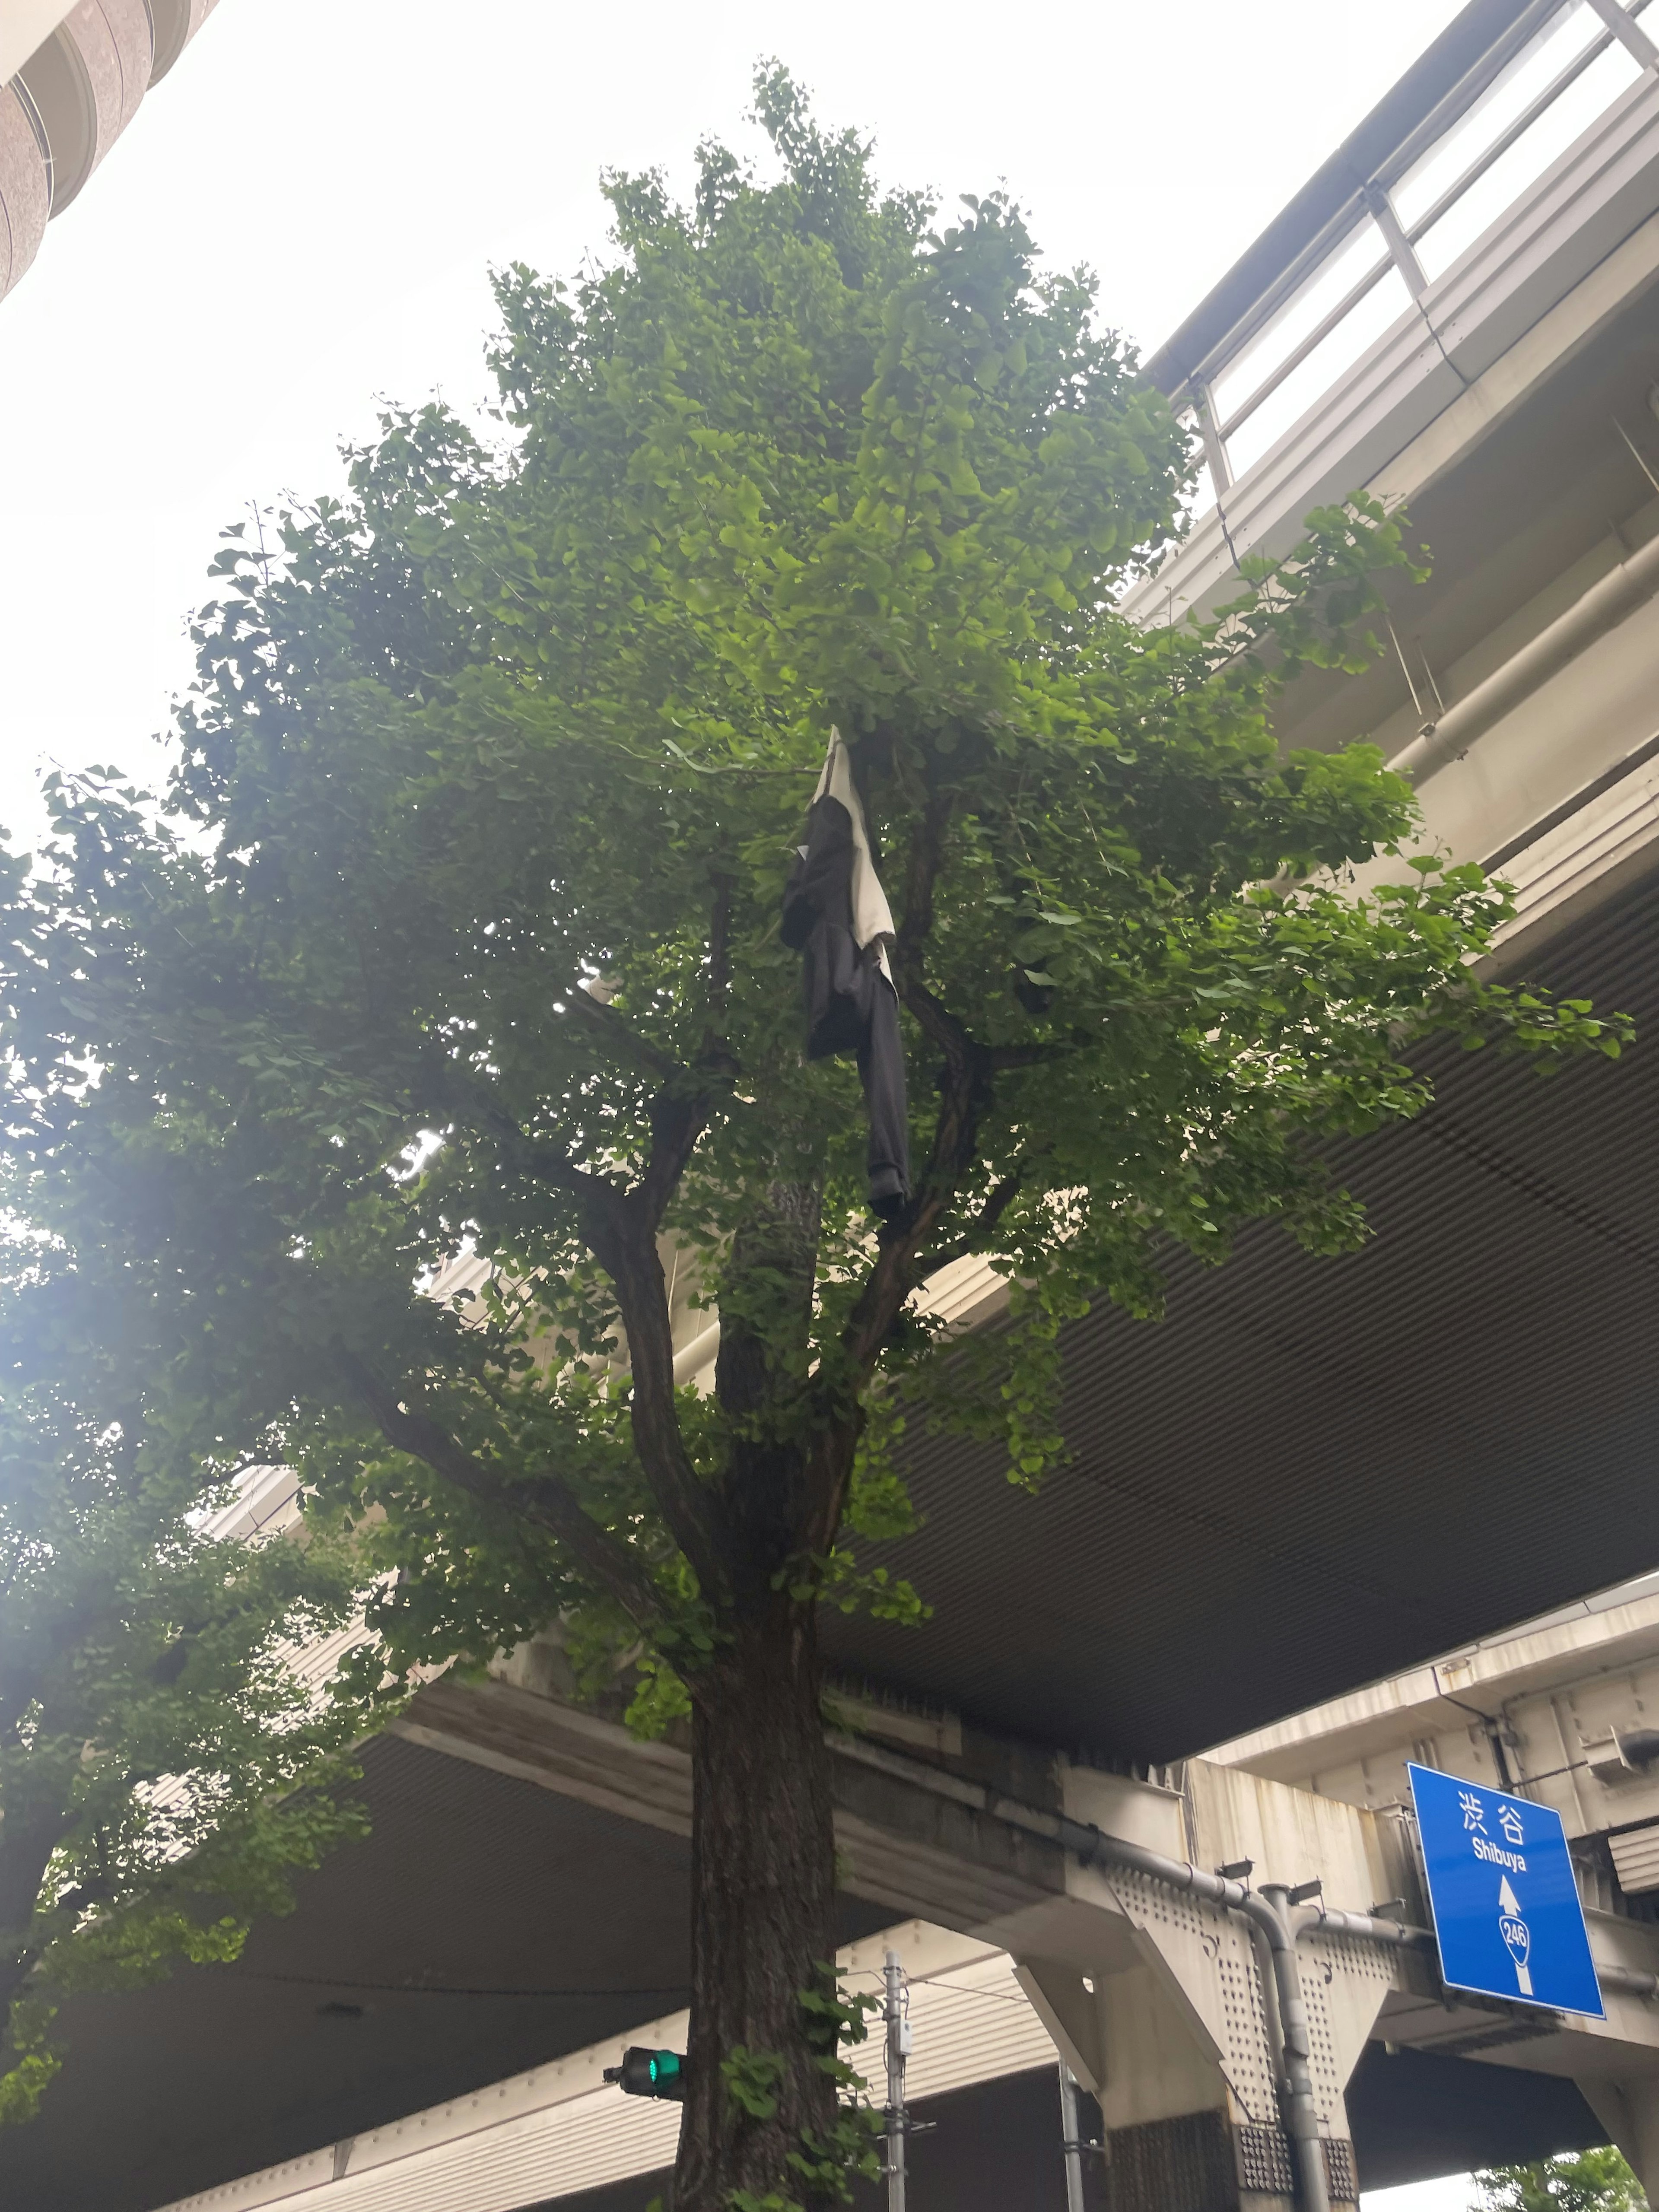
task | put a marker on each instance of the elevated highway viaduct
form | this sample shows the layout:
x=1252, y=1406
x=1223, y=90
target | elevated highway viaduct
x=1042, y=1907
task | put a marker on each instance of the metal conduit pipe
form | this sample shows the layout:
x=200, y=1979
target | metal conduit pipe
x=1368, y=1928
x=1625, y=1981
x=1628, y=1981
x=1269, y=1984
x=1603, y=607
x=1268, y=1910
x=1271, y=1919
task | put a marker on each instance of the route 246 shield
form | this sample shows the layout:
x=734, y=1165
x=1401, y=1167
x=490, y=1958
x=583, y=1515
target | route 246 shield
x=1506, y=1911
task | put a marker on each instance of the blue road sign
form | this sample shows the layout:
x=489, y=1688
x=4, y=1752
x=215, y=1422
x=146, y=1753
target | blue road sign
x=1506, y=1912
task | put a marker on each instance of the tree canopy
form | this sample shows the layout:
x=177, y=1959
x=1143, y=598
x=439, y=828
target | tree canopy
x=1576, y=2181
x=165, y=1765
x=456, y=928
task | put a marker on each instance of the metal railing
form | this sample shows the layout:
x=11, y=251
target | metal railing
x=1576, y=36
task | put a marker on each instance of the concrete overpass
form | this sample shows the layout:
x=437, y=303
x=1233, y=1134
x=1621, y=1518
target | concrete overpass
x=1040, y=1905
x=1065, y=1933
x=1314, y=1475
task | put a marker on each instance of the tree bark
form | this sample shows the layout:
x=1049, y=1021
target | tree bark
x=762, y=1874
x=29, y=1836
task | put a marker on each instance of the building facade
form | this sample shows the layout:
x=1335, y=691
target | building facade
x=71, y=79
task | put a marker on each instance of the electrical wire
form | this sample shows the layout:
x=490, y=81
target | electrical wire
x=681, y=1990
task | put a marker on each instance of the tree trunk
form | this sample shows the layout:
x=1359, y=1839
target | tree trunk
x=29, y=1836
x=763, y=1877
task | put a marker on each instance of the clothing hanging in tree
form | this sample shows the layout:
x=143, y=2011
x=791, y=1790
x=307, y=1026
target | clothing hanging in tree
x=835, y=914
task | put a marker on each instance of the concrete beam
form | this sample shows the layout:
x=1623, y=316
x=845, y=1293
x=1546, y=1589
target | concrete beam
x=943, y=1858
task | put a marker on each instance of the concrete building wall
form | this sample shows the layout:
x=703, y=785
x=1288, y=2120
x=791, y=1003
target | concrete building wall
x=1564, y=1710
x=71, y=81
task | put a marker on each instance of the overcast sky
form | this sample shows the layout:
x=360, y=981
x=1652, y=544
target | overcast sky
x=301, y=217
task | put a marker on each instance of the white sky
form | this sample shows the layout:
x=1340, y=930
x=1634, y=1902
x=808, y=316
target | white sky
x=301, y=217
x=1453, y=2195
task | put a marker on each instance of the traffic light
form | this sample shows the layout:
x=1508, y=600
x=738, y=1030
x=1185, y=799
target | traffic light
x=650, y=2074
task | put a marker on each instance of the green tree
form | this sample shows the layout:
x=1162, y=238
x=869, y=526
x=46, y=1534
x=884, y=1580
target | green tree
x=1574, y=2181
x=457, y=926
x=155, y=1743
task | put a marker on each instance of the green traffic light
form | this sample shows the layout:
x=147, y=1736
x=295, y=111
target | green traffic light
x=645, y=2073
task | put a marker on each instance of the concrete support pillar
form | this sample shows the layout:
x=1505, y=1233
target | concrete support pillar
x=1209, y=2161
x=1185, y=2084
x=1628, y=2109
x=1164, y=1999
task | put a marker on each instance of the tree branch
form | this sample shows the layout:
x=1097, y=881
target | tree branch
x=680, y=1111
x=1001, y=1057
x=619, y=1035
x=463, y=1099
x=998, y=1200
x=22, y=1682
x=620, y=1228
x=549, y=1504
x=625, y=1245
x=964, y=1091
x=934, y=1018
x=921, y=868
x=678, y=1119
x=33, y=1833
x=629, y=1256
x=719, y=962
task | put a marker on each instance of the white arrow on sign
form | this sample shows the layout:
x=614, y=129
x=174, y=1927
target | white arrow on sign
x=1518, y=1937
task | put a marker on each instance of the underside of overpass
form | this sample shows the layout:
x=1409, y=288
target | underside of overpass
x=998, y=2145
x=488, y=1925
x=485, y=1925
x=1312, y=1473
x=1317, y=1472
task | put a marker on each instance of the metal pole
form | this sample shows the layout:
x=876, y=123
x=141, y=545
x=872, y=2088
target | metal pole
x=1401, y=249
x=898, y=2050
x=1630, y=32
x=1072, y=2145
x=1215, y=448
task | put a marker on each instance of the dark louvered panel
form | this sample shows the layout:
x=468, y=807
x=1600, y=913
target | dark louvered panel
x=1315, y=1472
